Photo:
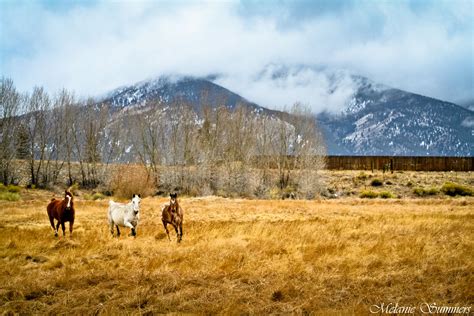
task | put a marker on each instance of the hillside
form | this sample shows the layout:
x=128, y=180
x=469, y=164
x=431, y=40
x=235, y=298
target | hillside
x=375, y=120
x=166, y=90
x=395, y=122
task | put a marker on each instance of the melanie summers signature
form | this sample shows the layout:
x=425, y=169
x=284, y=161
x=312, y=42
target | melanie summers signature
x=424, y=308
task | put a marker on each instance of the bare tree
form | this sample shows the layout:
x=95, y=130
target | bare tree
x=281, y=149
x=89, y=120
x=10, y=103
x=65, y=107
x=287, y=151
x=39, y=129
x=181, y=126
x=263, y=149
x=308, y=151
x=210, y=138
x=58, y=153
x=95, y=121
x=238, y=148
x=149, y=131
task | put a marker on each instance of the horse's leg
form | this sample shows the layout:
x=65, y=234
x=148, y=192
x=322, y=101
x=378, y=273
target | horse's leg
x=63, y=226
x=111, y=228
x=132, y=228
x=166, y=229
x=180, y=231
x=118, y=231
x=71, y=224
x=51, y=220
x=177, y=232
x=57, y=228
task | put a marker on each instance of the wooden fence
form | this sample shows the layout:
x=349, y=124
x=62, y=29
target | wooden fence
x=400, y=163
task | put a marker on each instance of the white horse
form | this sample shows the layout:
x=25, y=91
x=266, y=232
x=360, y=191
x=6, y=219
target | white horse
x=125, y=215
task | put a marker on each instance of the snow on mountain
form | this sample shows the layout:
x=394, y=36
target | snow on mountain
x=395, y=122
x=358, y=116
x=168, y=89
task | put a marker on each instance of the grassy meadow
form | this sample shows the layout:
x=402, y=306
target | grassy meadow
x=241, y=256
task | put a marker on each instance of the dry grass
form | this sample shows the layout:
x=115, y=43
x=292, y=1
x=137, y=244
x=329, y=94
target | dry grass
x=350, y=183
x=240, y=256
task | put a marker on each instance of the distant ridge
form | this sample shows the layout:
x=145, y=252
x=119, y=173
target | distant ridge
x=377, y=119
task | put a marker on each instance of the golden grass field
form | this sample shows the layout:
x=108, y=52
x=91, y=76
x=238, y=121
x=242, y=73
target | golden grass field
x=240, y=257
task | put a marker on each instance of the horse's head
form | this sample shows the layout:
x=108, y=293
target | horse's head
x=173, y=202
x=136, y=203
x=173, y=198
x=68, y=198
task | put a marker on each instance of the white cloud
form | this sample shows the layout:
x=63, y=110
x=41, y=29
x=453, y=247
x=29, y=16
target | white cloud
x=468, y=122
x=309, y=86
x=95, y=48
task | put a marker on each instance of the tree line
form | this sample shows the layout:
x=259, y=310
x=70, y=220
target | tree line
x=240, y=151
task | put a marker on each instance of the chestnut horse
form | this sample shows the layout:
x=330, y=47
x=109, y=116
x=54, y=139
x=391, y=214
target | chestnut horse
x=62, y=211
x=172, y=213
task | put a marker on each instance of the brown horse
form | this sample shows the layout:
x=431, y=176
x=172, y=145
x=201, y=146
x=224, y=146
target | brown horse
x=172, y=213
x=62, y=211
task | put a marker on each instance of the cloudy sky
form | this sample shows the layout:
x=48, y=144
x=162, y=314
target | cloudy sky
x=92, y=46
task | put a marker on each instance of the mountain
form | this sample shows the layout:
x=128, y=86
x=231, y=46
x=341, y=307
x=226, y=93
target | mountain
x=162, y=101
x=371, y=119
x=165, y=90
x=468, y=104
x=390, y=121
x=361, y=117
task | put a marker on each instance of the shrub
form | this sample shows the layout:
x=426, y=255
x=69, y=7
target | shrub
x=280, y=194
x=368, y=194
x=425, y=192
x=376, y=182
x=98, y=196
x=275, y=193
x=9, y=196
x=261, y=192
x=409, y=184
x=386, y=195
x=94, y=197
x=13, y=188
x=9, y=188
x=362, y=176
x=453, y=189
x=127, y=180
x=288, y=193
x=388, y=182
